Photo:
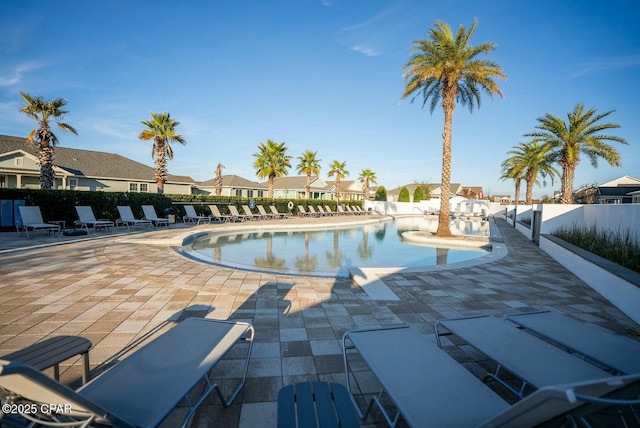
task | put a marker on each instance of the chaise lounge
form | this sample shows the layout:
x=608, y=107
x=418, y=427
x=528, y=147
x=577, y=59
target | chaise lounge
x=87, y=218
x=32, y=219
x=142, y=389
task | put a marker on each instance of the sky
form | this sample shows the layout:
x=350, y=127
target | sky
x=319, y=75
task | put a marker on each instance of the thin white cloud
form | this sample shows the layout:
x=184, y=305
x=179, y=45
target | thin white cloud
x=15, y=75
x=617, y=63
x=365, y=50
x=326, y=3
x=367, y=22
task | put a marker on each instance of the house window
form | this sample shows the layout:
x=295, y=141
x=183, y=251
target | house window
x=133, y=187
x=238, y=192
x=249, y=193
x=261, y=193
x=18, y=161
x=144, y=187
x=73, y=184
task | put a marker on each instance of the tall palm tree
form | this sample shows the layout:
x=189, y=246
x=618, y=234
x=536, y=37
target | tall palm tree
x=582, y=133
x=367, y=177
x=529, y=160
x=162, y=130
x=309, y=165
x=45, y=112
x=272, y=162
x=339, y=169
x=445, y=69
x=510, y=171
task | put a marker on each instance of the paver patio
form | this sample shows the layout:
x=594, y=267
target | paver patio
x=115, y=293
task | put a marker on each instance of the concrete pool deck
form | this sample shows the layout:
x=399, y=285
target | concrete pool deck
x=114, y=292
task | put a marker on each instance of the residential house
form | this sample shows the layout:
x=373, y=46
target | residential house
x=233, y=185
x=622, y=190
x=435, y=190
x=77, y=169
x=296, y=188
x=473, y=192
x=350, y=190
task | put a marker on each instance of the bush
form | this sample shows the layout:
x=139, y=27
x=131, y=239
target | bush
x=404, y=195
x=418, y=194
x=381, y=194
x=618, y=247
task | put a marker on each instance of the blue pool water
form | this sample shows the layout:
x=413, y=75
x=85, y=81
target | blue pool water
x=332, y=252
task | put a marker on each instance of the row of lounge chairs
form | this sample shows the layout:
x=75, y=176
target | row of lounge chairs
x=233, y=216
x=31, y=220
x=326, y=211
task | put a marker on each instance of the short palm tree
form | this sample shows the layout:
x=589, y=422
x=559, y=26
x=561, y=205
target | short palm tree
x=272, y=161
x=444, y=69
x=530, y=159
x=582, y=133
x=308, y=164
x=367, y=177
x=162, y=131
x=339, y=169
x=45, y=112
x=510, y=171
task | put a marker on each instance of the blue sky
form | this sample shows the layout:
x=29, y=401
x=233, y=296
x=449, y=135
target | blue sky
x=324, y=75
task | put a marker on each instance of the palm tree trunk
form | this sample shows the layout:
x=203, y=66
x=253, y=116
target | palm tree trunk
x=45, y=158
x=567, y=184
x=270, y=191
x=161, y=168
x=308, y=186
x=337, y=188
x=530, y=178
x=443, y=217
x=518, y=181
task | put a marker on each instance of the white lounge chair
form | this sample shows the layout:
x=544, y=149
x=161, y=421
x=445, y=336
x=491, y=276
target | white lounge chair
x=275, y=211
x=150, y=214
x=313, y=212
x=31, y=218
x=219, y=217
x=431, y=389
x=192, y=216
x=327, y=209
x=143, y=388
x=249, y=214
x=237, y=216
x=128, y=219
x=87, y=218
x=265, y=214
x=302, y=212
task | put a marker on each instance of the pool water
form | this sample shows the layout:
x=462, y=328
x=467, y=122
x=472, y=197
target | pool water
x=332, y=252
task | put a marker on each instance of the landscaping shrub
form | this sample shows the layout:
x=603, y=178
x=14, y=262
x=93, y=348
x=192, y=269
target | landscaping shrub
x=622, y=248
x=418, y=194
x=404, y=195
x=381, y=194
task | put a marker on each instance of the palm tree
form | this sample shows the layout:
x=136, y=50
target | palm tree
x=367, y=177
x=162, y=130
x=310, y=165
x=529, y=160
x=218, y=179
x=580, y=134
x=43, y=138
x=510, y=171
x=444, y=69
x=338, y=169
x=271, y=161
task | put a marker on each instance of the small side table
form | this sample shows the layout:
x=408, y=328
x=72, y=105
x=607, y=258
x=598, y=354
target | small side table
x=60, y=223
x=51, y=352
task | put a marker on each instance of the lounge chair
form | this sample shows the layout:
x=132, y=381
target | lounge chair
x=193, y=217
x=87, y=218
x=250, y=215
x=142, y=389
x=217, y=216
x=128, y=219
x=150, y=214
x=275, y=211
x=535, y=362
x=313, y=212
x=237, y=216
x=341, y=211
x=327, y=209
x=616, y=352
x=321, y=211
x=265, y=214
x=430, y=389
x=31, y=218
x=302, y=212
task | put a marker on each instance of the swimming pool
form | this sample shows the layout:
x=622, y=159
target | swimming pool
x=331, y=252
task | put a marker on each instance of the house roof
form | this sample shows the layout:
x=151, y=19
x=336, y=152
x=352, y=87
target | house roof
x=625, y=180
x=344, y=185
x=90, y=163
x=235, y=181
x=298, y=182
x=617, y=191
